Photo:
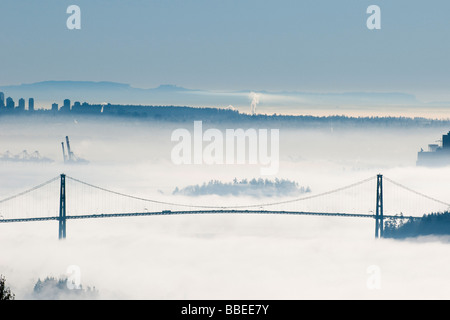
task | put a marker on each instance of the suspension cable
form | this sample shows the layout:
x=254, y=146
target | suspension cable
x=30, y=190
x=418, y=193
x=224, y=207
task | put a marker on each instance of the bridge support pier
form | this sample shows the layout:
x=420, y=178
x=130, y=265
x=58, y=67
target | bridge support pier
x=379, y=223
x=62, y=208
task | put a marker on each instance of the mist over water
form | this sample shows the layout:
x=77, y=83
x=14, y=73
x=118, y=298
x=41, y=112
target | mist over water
x=223, y=256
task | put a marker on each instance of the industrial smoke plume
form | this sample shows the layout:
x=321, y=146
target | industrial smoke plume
x=255, y=100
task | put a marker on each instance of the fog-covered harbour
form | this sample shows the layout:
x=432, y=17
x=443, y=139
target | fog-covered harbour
x=221, y=256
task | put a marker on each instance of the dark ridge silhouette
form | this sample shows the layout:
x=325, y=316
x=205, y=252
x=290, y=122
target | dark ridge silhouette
x=173, y=113
x=218, y=115
x=430, y=224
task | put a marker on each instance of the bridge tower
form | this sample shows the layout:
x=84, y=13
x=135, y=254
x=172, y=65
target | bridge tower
x=379, y=223
x=62, y=208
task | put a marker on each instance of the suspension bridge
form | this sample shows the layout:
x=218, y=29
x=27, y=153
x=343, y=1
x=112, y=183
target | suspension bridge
x=66, y=198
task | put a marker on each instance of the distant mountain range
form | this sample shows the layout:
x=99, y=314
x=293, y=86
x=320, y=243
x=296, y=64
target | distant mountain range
x=89, y=91
x=48, y=92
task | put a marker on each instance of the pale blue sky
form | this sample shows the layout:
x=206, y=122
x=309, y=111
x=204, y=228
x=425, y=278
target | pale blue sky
x=311, y=45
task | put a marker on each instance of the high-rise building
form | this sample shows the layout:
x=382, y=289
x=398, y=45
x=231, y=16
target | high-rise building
x=10, y=103
x=66, y=105
x=2, y=100
x=55, y=107
x=21, y=105
x=31, y=104
x=446, y=141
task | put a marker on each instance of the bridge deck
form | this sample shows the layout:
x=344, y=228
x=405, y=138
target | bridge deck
x=138, y=214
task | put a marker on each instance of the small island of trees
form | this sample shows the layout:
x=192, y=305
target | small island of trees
x=254, y=187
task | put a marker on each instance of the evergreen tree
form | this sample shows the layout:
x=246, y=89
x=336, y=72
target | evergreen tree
x=5, y=292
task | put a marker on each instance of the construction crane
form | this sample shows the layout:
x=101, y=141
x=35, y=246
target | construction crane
x=64, y=152
x=70, y=156
x=70, y=153
x=24, y=156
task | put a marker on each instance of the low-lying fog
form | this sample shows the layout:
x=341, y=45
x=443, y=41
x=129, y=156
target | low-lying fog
x=225, y=256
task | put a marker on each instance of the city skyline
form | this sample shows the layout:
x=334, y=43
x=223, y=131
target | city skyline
x=352, y=104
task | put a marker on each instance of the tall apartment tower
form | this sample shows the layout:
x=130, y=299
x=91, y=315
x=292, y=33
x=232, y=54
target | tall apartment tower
x=55, y=107
x=446, y=141
x=31, y=104
x=21, y=106
x=66, y=105
x=2, y=100
x=10, y=103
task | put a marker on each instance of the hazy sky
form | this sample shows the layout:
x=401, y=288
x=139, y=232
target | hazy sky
x=221, y=45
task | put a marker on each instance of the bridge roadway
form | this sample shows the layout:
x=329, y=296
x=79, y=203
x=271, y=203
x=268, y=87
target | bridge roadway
x=225, y=211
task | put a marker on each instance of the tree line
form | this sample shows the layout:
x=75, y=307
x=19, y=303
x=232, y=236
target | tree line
x=430, y=224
